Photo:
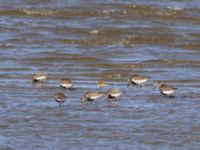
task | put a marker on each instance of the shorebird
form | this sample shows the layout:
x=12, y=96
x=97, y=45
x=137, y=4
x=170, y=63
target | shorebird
x=39, y=77
x=101, y=84
x=137, y=80
x=165, y=89
x=66, y=83
x=91, y=96
x=60, y=98
x=113, y=94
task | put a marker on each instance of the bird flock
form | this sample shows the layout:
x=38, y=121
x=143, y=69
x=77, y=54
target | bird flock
x=111, y=94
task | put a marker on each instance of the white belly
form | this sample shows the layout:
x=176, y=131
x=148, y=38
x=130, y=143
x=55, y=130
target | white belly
x=168, y=92
x=115, y=95
x=95, y=97
x=66, y=85
x=41, y=78
x=60, y=100
x=139, y=81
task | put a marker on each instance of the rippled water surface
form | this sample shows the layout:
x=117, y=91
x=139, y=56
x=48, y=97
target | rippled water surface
x=88, y=41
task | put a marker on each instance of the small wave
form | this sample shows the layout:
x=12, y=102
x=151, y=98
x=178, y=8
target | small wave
x=6, y=45
x=175, y=8
x=50, y=12
x=38, y=12
x=116, y=10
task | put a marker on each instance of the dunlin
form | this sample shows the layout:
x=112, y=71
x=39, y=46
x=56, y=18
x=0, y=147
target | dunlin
x=60, y=98
x=91, y=96
x=39, y=77
x=165, y=89
x=101, y=84
x=137, y=80
x=66, y=83
x=113, y=94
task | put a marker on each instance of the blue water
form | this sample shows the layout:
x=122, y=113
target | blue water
x=157, y=39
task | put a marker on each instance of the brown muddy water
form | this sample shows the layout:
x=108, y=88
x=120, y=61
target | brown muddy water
x=89, y=41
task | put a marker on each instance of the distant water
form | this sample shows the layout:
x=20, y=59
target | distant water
x=88, y=41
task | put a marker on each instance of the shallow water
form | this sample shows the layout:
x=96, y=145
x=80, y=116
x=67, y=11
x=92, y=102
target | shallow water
x=160, y=40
